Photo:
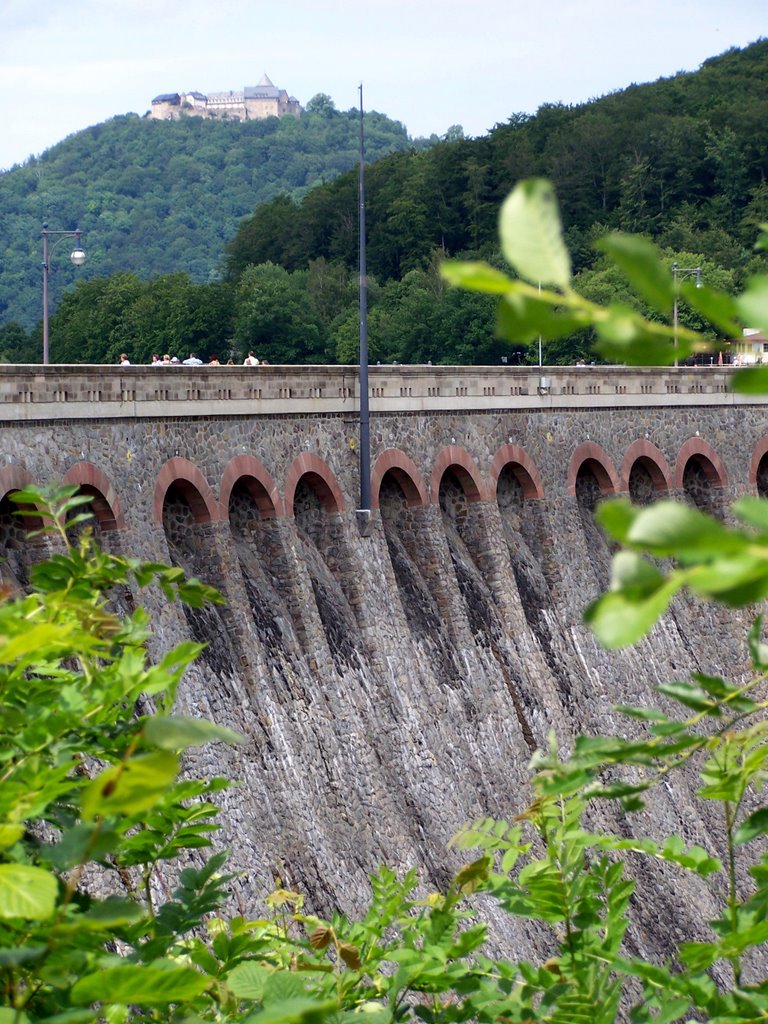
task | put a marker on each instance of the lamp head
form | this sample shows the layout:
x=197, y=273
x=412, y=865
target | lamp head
x=78, y=256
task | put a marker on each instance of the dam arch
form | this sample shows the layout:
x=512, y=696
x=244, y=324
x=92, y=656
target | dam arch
x=645, y=473
x=511, y=459
x=701, y=475
x=315, y=473
x=105, y=502
x=589, y=458
x=401, y=468
x=20, y=550
x=249, y=472
x=189, y=482
x=463, y=468
x=758, y=469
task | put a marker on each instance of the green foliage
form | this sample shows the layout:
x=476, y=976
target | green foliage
x=678, y=160
x=156, y=198
x=90, y=780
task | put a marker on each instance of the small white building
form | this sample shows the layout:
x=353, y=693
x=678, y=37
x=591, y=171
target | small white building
x=751, y=348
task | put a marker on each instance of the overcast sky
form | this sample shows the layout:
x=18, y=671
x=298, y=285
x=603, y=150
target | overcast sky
x=429, y=63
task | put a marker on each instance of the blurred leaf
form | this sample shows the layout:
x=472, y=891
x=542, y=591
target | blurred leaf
x=752, y=304
x=671, y=528
x=27, y=892
x=634, y=576
x=716, y=307
x=178, y=733
x=616, y=517
x=751, y=380
x=753, y=511
x=618, y=620
x=531, y=235
x=624, y=337
x=247, y=980
x=141, y=985
x=523, y=317
x=755, y=825
x=640, y=262
x=475, y=276
x=130, y=787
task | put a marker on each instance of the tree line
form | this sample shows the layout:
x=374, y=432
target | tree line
x=680, y=161
x=159, y=197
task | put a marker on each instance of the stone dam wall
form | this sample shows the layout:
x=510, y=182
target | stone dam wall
x=392, y=683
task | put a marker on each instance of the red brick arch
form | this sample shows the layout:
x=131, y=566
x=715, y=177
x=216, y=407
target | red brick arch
x=185, y=475
x=652, y=459
x=322, y=481
x=257, y=479
x=760, y=449
x=394, y=461
x=16, y=478
x=106, y=503
x=463, y=465
x=522, y=466
x=710, y=462
x=600, y=463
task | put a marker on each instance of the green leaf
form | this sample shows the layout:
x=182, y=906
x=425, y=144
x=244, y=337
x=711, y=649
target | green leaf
x=178, y=732
x=738, y=579
x=10, y=1016
x=294, y=1011
x=758, y=651
x=523, y=317
x=625, y=337
x=618, y=620
x=27, y=892
x=247, y=980
x=716, y=307
x=475, y=276
x=9, y=834
x=752, y=304
x=148, y=985
x=755, y=825
x=751, y=381
x=531, y=234
x=634, y=576
x=129, y=788
x=691, y=696
x=640, y=262
x=616, y=517
x=753, y=511
x=671, y=528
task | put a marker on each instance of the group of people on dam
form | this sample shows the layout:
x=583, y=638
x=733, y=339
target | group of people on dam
x=194, y=360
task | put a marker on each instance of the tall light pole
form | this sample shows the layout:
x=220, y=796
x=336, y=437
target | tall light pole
x=78, y=258
x=364, y=512
x=679, y=274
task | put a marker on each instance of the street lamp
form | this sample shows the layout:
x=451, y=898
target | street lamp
x=679, y=274
x=78, y=258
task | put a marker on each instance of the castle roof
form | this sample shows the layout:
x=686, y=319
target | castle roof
x=167, y=97
x=265, y=80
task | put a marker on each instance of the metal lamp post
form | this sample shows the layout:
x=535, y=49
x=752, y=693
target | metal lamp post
x=77, y=256
x=679, y=274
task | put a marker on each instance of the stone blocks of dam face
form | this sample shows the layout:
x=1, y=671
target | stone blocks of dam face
x=392, y=686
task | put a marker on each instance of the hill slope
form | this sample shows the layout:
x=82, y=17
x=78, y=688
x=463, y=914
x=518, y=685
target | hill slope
x=682, y=159
x=156, y=197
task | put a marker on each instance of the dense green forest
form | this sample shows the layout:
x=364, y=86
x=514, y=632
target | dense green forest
x=681, y=160
x=157, y=197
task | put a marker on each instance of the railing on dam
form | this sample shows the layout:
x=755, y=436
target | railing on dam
x=98, y=392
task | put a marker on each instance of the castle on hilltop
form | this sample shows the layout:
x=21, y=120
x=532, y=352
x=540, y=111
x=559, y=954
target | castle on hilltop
x=254, y=103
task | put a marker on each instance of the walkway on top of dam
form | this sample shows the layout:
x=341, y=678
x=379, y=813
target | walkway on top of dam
x=62, y=392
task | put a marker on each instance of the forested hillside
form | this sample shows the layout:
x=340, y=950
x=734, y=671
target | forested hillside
x=158, y=197
x=682, y=160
